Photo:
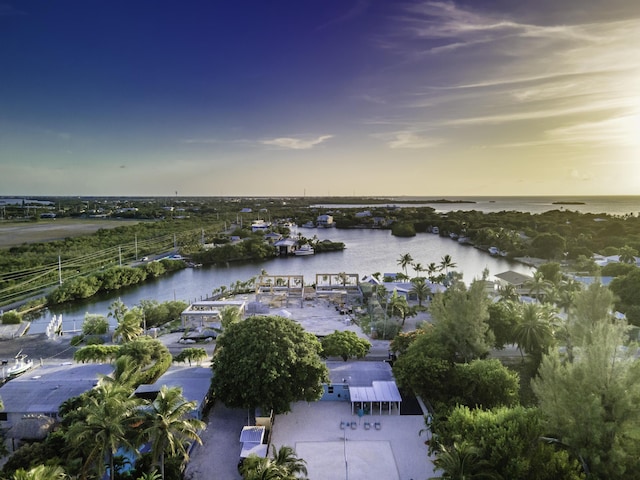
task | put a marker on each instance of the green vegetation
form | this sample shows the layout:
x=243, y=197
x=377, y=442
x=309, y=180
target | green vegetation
x=11, y=318
x=269, y=362
x=345, y=344
x=578, y=418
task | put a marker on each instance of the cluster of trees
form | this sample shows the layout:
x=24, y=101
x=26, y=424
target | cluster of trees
x=96, y=425
x=581, y=421
x=109, y=280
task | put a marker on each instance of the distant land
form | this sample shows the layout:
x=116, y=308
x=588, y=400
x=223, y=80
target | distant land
x=569, y=203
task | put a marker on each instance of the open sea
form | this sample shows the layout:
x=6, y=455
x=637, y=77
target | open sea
x=612, y=205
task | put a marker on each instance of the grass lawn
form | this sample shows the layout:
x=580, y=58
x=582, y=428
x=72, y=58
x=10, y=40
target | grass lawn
x=17, y=233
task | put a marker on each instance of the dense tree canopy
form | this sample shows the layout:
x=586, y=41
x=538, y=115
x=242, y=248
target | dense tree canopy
x=345, y=344
x=267, y=361
x=590, y=399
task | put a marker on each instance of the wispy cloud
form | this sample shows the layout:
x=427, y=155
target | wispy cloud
x=296, y=143
x=407, y=139
x=571, y=82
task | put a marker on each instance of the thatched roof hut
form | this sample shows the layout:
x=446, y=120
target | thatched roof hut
x=32, y=428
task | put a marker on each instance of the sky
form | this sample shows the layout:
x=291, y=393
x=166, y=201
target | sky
x=319, y=97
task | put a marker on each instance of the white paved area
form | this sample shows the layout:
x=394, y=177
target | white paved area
x=394, y=452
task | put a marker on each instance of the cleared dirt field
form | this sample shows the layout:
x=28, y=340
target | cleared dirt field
x=17, y=233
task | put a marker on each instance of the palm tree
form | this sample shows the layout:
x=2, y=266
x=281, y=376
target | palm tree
x=446, y=263
x=508, y=293
x=533, y=333
x=168, y=427
x=404, y=261
x=129, y=325
x=284, y=464
x=257, y=468
x=538, y=285
x=229, y=315
x=41, y=472
x=432, y=270
x=150, y=476
x=628, y=254
x=108, y=416
x=286, y=457
x=462, y=462
x=418, y=268
x=420, y=289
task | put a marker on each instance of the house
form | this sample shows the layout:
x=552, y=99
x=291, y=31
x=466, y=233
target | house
x=37, y=395
x=325, y=221
x=369, y=386
x=518, y=280
x=286, y=246
x=194, y=381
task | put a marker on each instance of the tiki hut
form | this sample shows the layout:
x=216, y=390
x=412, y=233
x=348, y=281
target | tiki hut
x=31, y=428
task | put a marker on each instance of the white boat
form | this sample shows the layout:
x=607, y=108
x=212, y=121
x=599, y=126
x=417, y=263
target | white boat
x=304, y=250
x=309, y=224
x=20, y=366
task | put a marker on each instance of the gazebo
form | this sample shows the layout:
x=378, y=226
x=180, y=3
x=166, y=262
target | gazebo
x=381, y=393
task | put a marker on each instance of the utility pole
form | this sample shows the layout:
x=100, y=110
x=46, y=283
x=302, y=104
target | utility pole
x=120, y=255
x=136, y=245
x=59, y=270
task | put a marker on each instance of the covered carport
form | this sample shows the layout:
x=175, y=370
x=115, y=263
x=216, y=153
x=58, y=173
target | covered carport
x=383, y=394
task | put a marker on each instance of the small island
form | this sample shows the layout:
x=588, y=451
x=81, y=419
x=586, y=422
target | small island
x=567, y=203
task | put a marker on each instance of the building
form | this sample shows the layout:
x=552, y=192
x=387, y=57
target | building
x=194, y=381
x=518, y=280
x=325, y=221
x=35, y=396
x=369, y=386
x=207, y=313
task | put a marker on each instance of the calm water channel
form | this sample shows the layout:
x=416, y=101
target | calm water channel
x=367, y=252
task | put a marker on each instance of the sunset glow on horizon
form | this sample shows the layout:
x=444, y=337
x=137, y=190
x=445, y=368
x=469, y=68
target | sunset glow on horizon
x=322, y=97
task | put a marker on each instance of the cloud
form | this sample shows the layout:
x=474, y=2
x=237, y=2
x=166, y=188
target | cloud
x=296, y=143
x=407, y=139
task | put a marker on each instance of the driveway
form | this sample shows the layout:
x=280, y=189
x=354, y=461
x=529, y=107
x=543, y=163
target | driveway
x=217, y=457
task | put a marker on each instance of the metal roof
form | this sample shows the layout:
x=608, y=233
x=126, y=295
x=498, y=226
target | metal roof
x=44, y=388
x=377, y=392
x=252, y=434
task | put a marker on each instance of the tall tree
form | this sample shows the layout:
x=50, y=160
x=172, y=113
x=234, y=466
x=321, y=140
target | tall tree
x=169, y=427
x=590, y=399
x=446, y=263
x=420, y=289
x=105, y=426
x=460, y=318
x=628, y=254
x=267, y=361
x=533, y=332
x=129, y=325
x=404, y=261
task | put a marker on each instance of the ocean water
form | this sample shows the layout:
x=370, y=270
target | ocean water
x=612, y=205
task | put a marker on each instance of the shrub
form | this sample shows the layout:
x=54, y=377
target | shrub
x=11, y=318
x=76, y=340
x=95, y=325
x=94, y=340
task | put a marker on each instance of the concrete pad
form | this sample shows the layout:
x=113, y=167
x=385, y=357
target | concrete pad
x=395, y=451
x=355, y=460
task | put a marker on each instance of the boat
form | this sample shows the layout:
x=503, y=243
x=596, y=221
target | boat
x=20, y=366
x=304, y=250
x=309, y=224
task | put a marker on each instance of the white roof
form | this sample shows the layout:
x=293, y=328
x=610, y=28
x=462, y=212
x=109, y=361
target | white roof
x=252, y=434
x=377, y=392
